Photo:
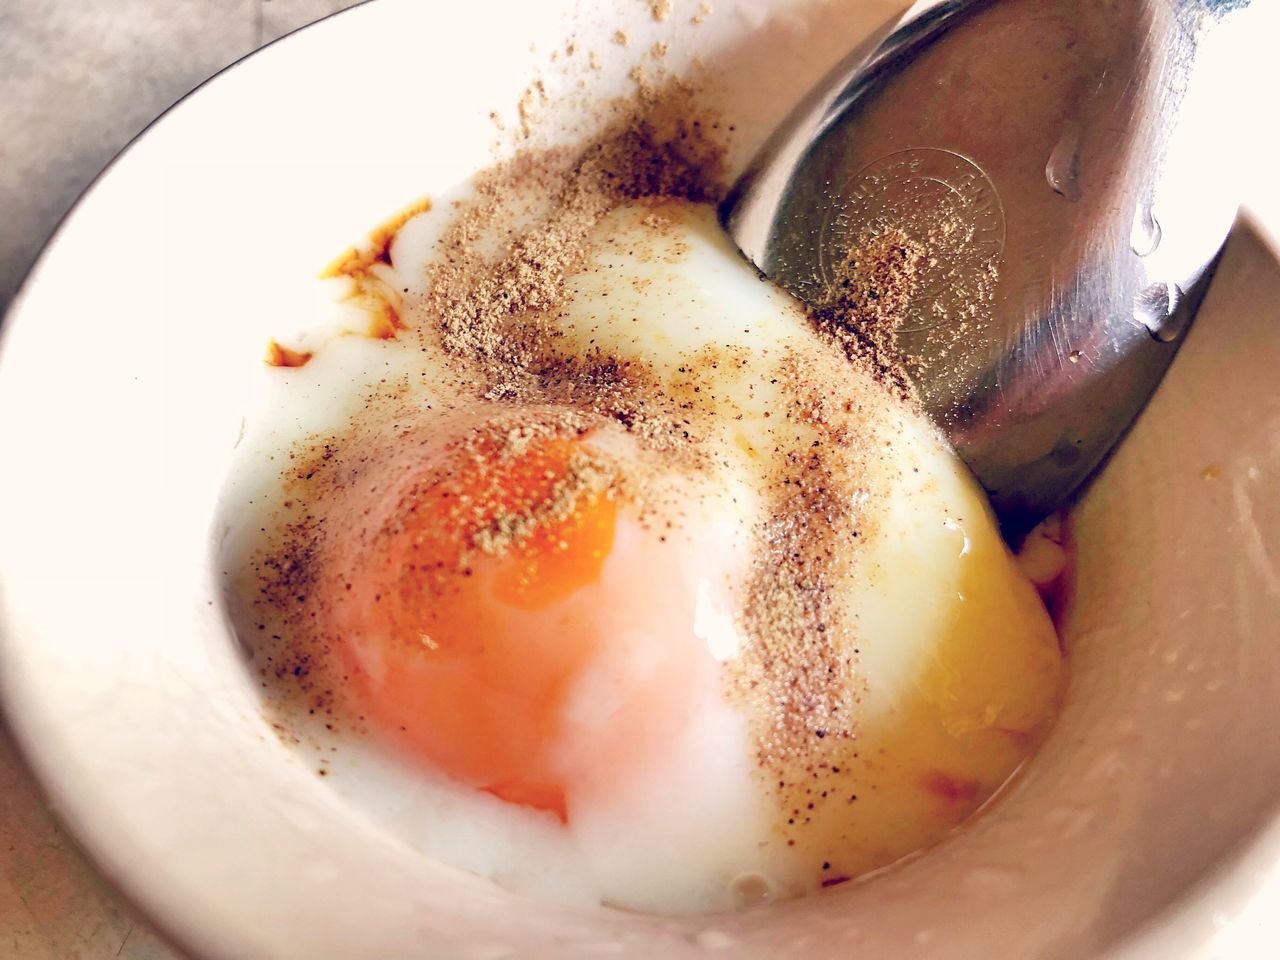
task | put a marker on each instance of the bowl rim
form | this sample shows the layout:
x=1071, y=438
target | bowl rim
x=1239, y=875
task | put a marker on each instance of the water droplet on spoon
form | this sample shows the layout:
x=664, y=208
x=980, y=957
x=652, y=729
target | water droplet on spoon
x=1063, y=167
x=1155, y=306
x=1147, y=234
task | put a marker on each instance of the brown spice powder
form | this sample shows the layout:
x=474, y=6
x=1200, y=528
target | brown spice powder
x=863, y=309
x=799, y=674
x=586, y=477
x=493, y=314
x=661, y=9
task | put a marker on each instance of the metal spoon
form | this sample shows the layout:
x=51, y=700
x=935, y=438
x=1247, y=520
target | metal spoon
x=1050, y=157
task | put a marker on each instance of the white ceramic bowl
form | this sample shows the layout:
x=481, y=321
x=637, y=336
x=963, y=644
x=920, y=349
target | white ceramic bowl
x=1149, y=826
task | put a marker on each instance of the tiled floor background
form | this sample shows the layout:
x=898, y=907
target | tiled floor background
x=78, y=78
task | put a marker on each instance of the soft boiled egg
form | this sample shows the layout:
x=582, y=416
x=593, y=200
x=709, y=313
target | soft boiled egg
x=687, y=681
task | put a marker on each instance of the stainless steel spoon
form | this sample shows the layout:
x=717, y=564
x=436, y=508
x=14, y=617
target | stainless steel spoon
x=1054, y=158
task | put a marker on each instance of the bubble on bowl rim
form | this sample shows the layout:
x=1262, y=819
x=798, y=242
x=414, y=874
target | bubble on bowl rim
x=713, y=939
x=749, y=889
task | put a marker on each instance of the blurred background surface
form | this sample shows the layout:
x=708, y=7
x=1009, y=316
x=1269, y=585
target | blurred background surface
x=78, y=80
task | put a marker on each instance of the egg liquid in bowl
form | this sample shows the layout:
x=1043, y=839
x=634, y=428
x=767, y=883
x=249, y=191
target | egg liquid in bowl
x=592, y=563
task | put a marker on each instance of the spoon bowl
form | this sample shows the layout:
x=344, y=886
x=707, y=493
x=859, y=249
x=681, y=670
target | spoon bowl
x=1048, y=160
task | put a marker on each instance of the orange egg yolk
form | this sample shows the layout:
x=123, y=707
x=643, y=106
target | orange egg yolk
x=471, y=654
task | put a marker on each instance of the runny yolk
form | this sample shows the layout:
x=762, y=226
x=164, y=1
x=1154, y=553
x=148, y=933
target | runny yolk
x=468, y=649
